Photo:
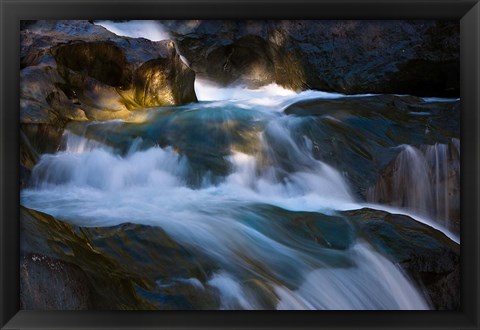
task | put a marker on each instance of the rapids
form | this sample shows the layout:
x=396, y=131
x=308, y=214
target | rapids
x=223, y=177
x=204, y=173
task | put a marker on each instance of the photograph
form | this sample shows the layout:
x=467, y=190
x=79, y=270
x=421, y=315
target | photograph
x=197, y=164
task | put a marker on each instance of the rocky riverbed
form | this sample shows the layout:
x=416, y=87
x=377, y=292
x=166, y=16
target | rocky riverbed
x=240, y=165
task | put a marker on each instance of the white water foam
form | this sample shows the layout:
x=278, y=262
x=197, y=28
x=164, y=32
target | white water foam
x=147, y=29
x=232, y=294
x=439, y=99
x=272, y=96
x=88, y=168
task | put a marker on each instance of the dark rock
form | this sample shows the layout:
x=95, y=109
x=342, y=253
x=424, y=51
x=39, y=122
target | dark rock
x=25, y=175
x=328, y=231
x=97, y=100
x=425, y=254
x=253, y=62
x=52, y=284
x=403, y=57
x=39, y=139
x=28, y=158
x=28, y=155
x=101, y=60
x=123, y=265
x=41, y=102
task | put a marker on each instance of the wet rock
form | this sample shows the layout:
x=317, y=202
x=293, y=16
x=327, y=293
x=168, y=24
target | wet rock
x=28, y=158
x=140, y=267
x=84, y=61
x=41, y=102
x=426, y=254
x=424, y=179
x=125, y=267
x=28, y=155
x=101, y=60
x=40, y=138
x=328, y=231
x=52, y=284
x=361, y=136
x=78, y=71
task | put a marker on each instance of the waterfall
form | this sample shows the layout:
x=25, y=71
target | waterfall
x=423, y=180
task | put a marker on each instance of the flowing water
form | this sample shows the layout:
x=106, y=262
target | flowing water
x=208, y=174
x=424, y=180
x=222, y=177
x=151, y=30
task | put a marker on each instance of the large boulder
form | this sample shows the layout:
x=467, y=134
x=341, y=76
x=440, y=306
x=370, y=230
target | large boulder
x=250, y=61
x=78, y=71
x=74, y=70
x=404, y=57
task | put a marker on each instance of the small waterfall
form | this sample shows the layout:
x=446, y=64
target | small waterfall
x=437, y=158
x=77, y=143
x=339, y=289
x=423, y=180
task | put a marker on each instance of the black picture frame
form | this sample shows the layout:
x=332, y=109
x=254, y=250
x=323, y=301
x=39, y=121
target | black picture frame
x=12, y=11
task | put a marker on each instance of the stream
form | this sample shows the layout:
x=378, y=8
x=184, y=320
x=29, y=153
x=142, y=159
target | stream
x=209, y=174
